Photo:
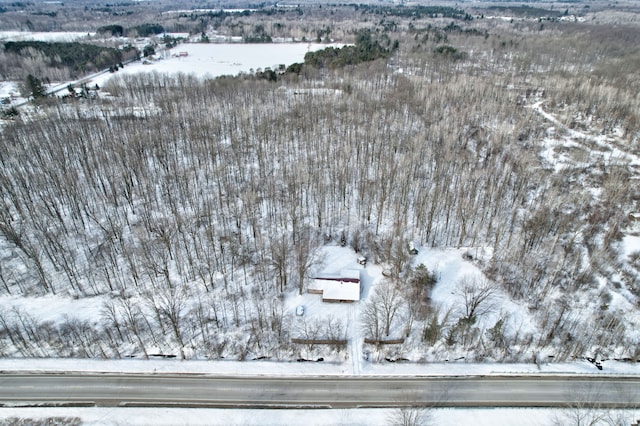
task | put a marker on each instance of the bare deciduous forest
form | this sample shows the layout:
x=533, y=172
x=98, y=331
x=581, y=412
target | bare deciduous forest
x=191, y=208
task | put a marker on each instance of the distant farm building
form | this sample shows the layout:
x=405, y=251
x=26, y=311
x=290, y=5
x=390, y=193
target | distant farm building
x=341, y=287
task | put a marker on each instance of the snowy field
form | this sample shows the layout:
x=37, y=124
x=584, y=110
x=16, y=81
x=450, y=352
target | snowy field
x=52, y=36
x=9, y=89
x=205, y=60
x=211, y=60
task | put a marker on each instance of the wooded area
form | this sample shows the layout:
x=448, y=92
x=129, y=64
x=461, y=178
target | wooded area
x=197, y=204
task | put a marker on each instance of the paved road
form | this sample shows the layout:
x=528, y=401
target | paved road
x=77, y=83
x=342, y=392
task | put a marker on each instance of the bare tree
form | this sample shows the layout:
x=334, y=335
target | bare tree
x=280, y=254
x=169, y=305
x=310, y=330
x=582, y=412
x=477, y=296
x=409, y=416
x=381, y=310
x=414, y=411
x=133, y=320
x=307, y=255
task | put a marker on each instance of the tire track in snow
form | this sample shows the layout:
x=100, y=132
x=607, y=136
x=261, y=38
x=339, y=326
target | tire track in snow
x=606, y=144
x=356, y=340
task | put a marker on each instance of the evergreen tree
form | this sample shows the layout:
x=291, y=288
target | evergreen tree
x=36, y=87
x=148, y=50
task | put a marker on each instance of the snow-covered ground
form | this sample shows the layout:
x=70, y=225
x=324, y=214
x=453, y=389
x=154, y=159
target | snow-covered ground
x=351, y=417
x=630, y=245
x=272, y=368
x=449, y=265
x=52, y=36
x=596, y=145
x=206, y=60
x=216, y=59
x=566, y=149
x=9, y=89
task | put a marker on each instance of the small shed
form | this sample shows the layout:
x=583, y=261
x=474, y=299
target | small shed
x=411, y=247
